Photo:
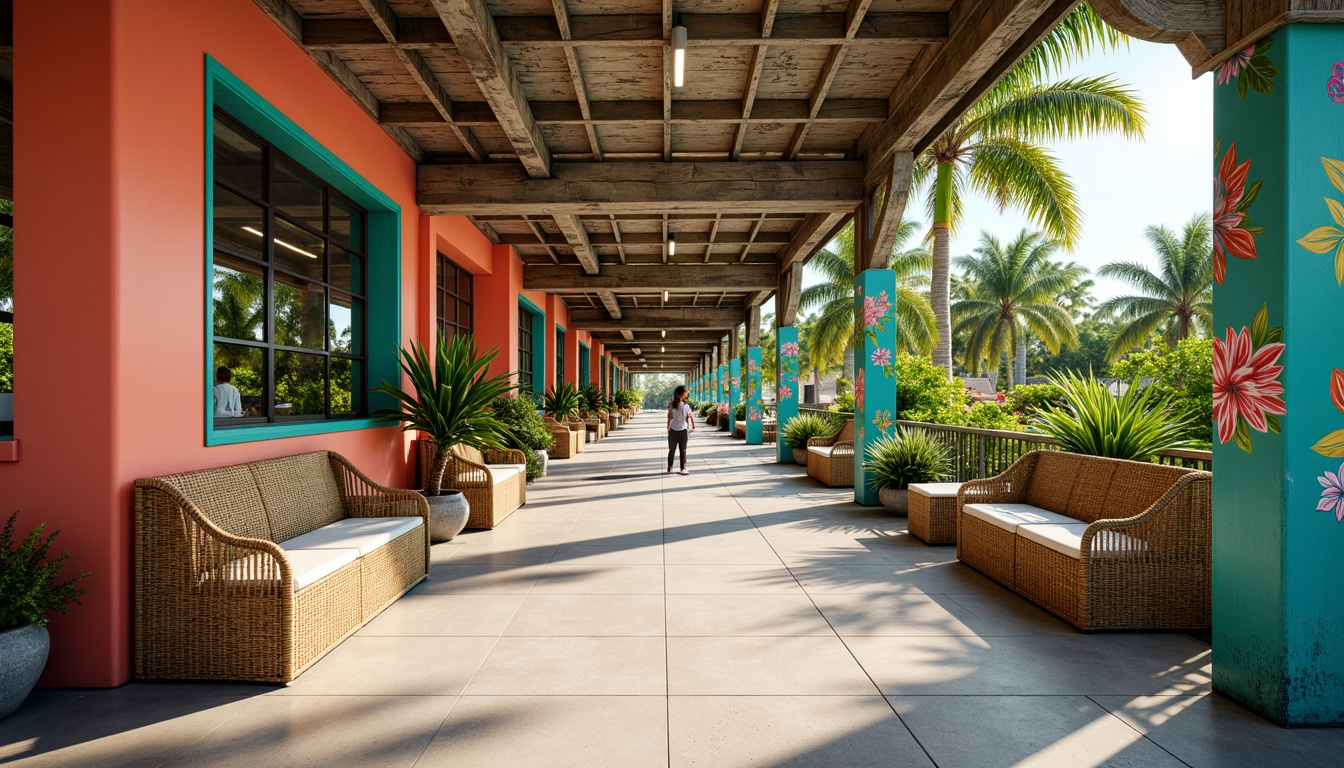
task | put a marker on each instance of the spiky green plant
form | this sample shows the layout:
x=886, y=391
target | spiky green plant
x=590, y=399
x=909, y=456
x=563, y=402
x=1132, y=426
x=805, y=426
x=450, y=399
x=28, y=586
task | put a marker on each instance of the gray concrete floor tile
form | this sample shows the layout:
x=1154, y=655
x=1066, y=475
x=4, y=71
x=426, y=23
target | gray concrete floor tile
x=394, y=666
x=763, y=666
x=573, y=666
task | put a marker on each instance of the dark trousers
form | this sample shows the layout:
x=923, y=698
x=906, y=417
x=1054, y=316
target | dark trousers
x=676, y=439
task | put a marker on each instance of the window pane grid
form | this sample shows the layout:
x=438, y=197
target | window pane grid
x=455, y=309
x=299, y=348
x=525, y=348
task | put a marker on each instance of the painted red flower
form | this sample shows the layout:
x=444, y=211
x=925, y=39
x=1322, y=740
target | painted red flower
x=1231, y=69
x=1337, y=388
x=1228, y=235
x=1245, y=383
x=858, y=389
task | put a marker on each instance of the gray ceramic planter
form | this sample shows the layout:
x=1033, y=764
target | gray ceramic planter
x=895, y=500
x=448, y=514
x=545, y=457
x=23, y=654
x=800, y=456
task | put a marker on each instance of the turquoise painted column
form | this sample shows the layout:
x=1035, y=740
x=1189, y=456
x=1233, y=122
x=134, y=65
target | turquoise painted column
x=721, y=393
x=734, y=392
x=786, y=387
x=1278, y=377
x=874, y=369
x=755, y=407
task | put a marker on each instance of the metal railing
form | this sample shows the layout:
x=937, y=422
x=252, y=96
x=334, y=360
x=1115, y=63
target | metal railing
x=978, y=453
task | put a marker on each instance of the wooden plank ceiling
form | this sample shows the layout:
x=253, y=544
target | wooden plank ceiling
x=554, y=125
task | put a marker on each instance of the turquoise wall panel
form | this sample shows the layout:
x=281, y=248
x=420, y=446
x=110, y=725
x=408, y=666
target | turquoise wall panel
x=755, y=405
x=1278, y=522
x=874, y=369
x=786, y=387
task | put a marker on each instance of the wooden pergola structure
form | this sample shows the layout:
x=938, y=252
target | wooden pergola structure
x=555, y=126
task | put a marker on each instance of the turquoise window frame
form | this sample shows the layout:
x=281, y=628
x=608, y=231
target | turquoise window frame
x=225, y=90
x=561, y=336
x=585, y=364
x=538, y=343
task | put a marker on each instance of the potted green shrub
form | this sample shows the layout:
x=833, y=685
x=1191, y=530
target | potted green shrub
x=804, y=427
x=448, y=403
x=29, y=590
x=526, y=430
x=896, y=461
x=1092, y=421
x=562, y=402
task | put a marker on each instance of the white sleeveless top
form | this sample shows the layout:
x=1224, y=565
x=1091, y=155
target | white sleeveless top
x=679, y=416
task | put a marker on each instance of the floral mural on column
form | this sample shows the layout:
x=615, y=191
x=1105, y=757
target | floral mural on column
x=878, y=312
x=1233, y=234
x=1247, y=393
x=1330, y=238
x=788, y=369
x=1250, y=69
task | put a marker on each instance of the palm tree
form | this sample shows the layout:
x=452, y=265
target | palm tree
x=814, y=358
x=1178, y=297
x=1013, y=293
x=997, y=147
x=833, y=334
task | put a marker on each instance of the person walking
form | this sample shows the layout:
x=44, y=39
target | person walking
x=680, y=424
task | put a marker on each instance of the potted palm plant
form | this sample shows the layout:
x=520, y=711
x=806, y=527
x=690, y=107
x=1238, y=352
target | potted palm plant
x=562, y=402
x=896, y=461
x=449, y=403
x=28, y=591
x=804, y=427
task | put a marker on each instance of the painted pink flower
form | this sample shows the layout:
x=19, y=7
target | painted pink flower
x=1245, y=383
x=785, y=393
x=858, y=390
x=881, y=356
x=790, y=349
x=1332, y=493
x=1231, y=69
x=1334, y=87
x=1228, y=235
x=875, y=309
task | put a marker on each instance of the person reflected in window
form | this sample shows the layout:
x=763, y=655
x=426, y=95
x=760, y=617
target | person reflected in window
x=228, y=401
x=680, y=423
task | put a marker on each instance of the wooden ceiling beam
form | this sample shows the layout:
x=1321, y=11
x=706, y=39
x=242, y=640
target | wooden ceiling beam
x=880, y=240
x=764, y=111
x=609, y=301
x=754, y=75
x=577, y=237
x=854, y=15
x=576, y=75
x=473, y=29
x=829, y=186
x=733, y=278
x=809, y=236
x=669, y=318
x=940, y=77
x=642, y=30
x=665, y=19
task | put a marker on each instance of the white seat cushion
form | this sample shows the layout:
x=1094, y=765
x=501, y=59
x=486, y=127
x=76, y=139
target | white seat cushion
x=309, y=565
x=364, y=534
x=1067, y=539
x=821, y=450
x=503, y=472
x=1010, y=516
x=936, y=490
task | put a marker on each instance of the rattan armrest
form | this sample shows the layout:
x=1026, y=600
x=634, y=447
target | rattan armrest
x=1166, y=519
x=365, y=498
x=842, y=448
x=458, y=482
x=1008, y=487
x=822, y=442
x=505, y=456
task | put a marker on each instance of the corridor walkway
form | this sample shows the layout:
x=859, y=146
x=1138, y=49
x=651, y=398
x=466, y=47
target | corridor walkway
x=740, y=616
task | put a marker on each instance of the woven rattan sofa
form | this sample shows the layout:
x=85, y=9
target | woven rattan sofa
x=1105, y=544
x=831, y=459
x=255, y=571
x=495, y=483
x=597, y=425
x=568, y=441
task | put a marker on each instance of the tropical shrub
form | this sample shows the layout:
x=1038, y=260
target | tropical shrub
x=1184, y=375
x=909, y=456
x=740, y=412
x=527, y=430
x=804, y=427
x=1136, y=425
x=1027, y=399
x=28, y=586
x=563, y=402
x=924, y=393
x=705, y=409
x=844, y=403
x=450, y=401
x=986, y=415
x=629, y=398
x=590, y=399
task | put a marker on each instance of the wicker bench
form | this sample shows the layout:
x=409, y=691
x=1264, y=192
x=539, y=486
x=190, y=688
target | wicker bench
x=495, y=483
x=933, y=512
x=1103, y=543
x=255, y=571
x=568, y=441
x=831, y=459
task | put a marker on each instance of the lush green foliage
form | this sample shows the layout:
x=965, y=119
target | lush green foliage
x=844, y=403
x=805, y=426
x=1027, y=399
x=740, y=412
x=986, y=415
x=527, y=431
x=450, y=398
x=1177, y=298
x=1184, y=376
x=909, y=456
x=563, y=401
x=6, y=357
x=1094, y=339
x=628, y=398
x=6, y=259
x=591, y=399
x=28, y=578
x=704, y=408
x=923, y=392
x=1134, y=426
x=658, y=389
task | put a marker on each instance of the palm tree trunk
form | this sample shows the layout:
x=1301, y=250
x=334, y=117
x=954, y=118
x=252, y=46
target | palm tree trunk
x=849, y=363
x=1020, y=361
x=941, y=287
x=816, y=386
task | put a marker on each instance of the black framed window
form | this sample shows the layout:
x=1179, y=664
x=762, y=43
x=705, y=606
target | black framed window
x=455, y=299
x=525, y=348
x=289, y=288
x=559, y=357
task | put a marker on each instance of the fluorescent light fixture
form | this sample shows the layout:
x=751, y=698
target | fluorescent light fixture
x=664, y=334
x=671, y=244
x=280, y=242
x=662, y=349
x=678, y=56
x=664, y=297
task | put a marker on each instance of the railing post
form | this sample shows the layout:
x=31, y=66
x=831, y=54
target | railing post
x=980, y=443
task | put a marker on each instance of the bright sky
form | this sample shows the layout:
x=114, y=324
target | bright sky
x=1124, y=186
